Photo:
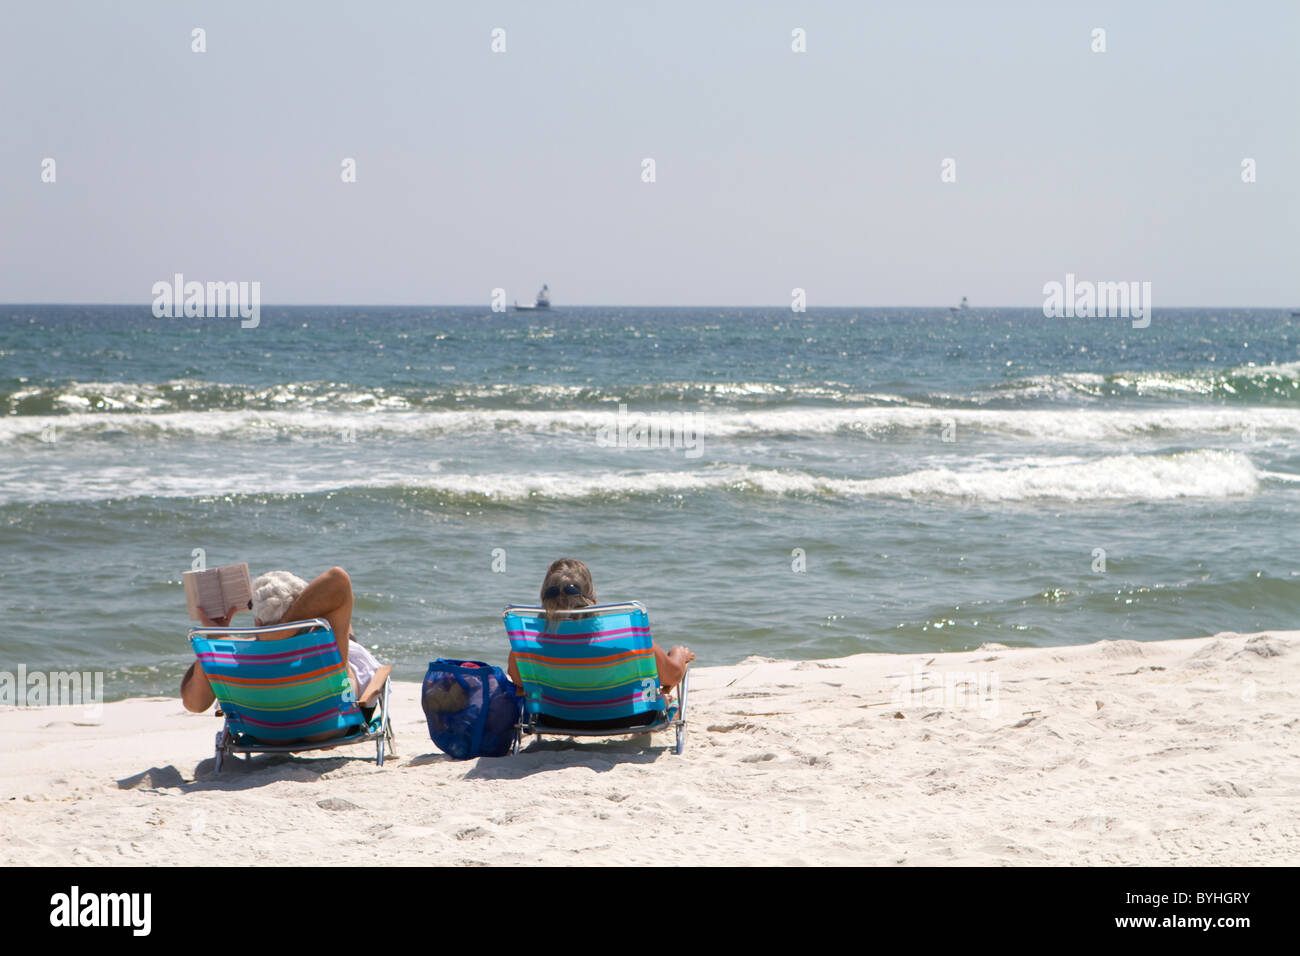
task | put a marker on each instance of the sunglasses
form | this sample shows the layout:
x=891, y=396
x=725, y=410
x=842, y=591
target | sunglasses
x=555, y=590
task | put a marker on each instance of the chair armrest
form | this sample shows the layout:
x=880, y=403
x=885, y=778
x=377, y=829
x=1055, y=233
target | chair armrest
x=376, y=685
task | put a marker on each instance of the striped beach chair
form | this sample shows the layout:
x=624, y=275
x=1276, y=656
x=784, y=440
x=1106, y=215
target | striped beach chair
x=593, y=674
x=274, y=693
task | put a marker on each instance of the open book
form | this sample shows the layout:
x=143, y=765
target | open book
x=214, y=591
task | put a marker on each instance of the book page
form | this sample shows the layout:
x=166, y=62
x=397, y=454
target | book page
x=208, y=584
x=190, y=578
x=212, y=592
x=236, y=587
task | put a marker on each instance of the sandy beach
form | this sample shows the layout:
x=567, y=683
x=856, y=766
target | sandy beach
x=1174, y=752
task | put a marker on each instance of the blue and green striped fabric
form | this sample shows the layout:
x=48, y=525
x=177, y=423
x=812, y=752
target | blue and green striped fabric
x=593, y=668
x=280, y=690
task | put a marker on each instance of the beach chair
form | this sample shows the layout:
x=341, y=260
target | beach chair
x=274, y=693
x=598, y=668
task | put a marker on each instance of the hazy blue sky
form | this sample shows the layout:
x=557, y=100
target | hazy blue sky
x=774, y=169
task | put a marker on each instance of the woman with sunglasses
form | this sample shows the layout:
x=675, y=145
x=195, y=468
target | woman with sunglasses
x=567, y=585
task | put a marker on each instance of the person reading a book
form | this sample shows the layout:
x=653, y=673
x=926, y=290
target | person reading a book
x=281, y=596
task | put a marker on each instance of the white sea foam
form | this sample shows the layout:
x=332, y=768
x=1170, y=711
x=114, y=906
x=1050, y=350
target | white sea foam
x=1288, y=370
x=1195, y=474
x=1070, y=386
x=182, y=394
x=1047, y=425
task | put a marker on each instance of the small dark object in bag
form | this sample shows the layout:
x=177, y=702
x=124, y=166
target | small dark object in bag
x=471, y=707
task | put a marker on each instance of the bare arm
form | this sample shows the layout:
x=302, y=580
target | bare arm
x=328, y=596
x=672, y=665
x=513, y=670
x=196, y=693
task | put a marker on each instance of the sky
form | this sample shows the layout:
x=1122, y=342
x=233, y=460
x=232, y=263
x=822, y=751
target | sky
x=774, y=169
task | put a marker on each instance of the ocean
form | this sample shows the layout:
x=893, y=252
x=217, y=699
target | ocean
x=767, y=483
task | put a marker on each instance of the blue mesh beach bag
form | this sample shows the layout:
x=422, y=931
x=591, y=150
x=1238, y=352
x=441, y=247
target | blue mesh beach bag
x=471, y=707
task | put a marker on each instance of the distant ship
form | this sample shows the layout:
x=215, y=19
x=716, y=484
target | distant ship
x=543, y=301
x=960, y=308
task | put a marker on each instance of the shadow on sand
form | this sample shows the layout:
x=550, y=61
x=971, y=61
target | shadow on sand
x=540, y=756
x=560, y=754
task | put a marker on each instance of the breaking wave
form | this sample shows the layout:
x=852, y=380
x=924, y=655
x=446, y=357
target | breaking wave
x=1048, y=425
x=1195, y=474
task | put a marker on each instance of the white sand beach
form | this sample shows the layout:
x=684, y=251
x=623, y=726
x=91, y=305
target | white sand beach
x=1175, y=752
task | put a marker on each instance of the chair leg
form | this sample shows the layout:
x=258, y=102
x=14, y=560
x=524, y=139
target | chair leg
x=219, y=751
x=681, y=738
x=388, y=720
x=384, y=742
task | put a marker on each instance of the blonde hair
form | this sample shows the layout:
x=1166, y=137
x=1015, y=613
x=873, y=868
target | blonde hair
x=560, y=573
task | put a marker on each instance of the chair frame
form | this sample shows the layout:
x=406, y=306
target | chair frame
x=529, y=724
x=226, y=742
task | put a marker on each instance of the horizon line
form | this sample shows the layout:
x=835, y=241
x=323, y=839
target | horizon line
x=606, y=305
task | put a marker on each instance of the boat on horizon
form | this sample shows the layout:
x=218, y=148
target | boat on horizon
x=543, y=301
x=960, y=308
